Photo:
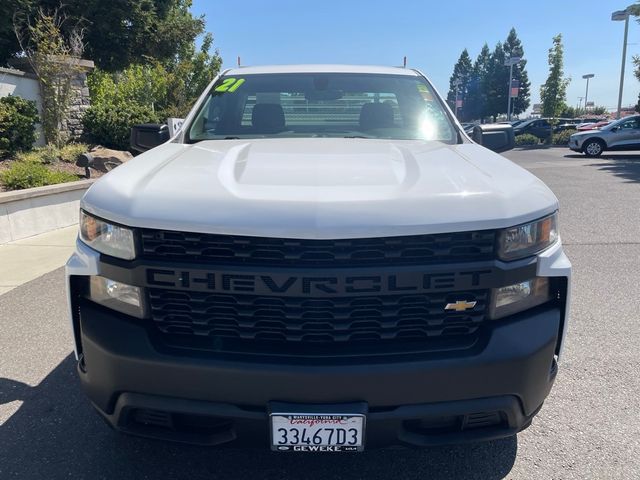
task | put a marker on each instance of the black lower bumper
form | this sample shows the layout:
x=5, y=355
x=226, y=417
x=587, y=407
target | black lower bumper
x=489, y=394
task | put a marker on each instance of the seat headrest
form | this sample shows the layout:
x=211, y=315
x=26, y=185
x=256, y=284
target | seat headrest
x=376, y=115
x=267, y=117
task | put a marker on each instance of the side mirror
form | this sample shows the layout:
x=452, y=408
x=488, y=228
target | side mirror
x=148, y=135
x=496, y=137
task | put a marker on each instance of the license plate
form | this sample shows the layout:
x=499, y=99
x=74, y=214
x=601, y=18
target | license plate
x=317, y=432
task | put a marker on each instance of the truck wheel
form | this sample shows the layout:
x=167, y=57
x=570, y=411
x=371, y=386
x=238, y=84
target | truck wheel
x=593, y=148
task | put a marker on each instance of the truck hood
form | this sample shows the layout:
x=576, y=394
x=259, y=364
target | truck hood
x=319, y=188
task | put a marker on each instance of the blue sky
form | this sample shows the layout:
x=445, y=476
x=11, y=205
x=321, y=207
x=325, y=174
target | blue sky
x=431, y=35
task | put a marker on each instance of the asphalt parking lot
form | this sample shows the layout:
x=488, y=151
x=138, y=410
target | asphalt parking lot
x=588, y=428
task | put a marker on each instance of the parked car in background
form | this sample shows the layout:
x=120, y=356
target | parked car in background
x=623, y=134
x=592, y=126
x=584, y=120
x=539, y=127
x=561, y=127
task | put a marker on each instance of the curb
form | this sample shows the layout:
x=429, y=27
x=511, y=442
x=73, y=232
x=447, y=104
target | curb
x=32, y=211
x=539, y=147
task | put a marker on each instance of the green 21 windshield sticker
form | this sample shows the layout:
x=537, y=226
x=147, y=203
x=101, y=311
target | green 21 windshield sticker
x=229, y=85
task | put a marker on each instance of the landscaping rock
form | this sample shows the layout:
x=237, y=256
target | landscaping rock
x=105, y=159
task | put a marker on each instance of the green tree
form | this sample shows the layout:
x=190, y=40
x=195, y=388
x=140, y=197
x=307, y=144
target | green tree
x=117, y=33
x=9, y=45
x=513, y=48
x=474, y=106
x=54, y=57
x=189, y=76
x=574, y=112
x=553, y=93
x=462, y=72
x=169, y=89
x=496, y=82
x=140, y=84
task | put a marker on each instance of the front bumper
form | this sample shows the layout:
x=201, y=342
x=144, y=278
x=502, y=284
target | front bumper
x=575, y=144
x=142, y=391
x=489, y=392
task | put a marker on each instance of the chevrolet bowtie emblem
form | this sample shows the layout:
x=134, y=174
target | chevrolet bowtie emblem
x=460, y=305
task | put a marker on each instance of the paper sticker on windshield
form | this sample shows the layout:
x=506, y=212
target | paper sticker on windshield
x=424, y=92
x=229, y=85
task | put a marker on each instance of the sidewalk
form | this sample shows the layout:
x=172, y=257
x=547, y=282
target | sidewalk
x=24, y=260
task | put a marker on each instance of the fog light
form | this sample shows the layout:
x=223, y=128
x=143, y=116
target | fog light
x=519, y=296
x=117, y=295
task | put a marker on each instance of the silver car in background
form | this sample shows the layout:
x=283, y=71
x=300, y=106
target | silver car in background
x=623, y=134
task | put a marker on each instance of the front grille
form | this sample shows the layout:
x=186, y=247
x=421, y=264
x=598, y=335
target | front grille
x=242, y=250
x=303, y=326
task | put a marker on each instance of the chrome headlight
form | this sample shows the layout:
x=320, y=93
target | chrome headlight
x=528, y=239
x=107, y=238
x=117, y=296
x=519, y=296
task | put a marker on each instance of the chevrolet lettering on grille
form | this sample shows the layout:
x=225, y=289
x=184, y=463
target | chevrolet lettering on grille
x=314, y=285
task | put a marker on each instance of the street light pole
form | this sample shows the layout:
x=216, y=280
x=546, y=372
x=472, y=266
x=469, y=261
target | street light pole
x=509, y=92
x=586, y=94
x=619, y=16
x=455, y=104
x=510, y=62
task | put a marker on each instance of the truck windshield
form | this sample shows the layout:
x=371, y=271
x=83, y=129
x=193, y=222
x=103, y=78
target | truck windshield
x=343, y=105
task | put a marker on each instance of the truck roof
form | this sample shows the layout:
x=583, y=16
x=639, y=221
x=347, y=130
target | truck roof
x=321, y=69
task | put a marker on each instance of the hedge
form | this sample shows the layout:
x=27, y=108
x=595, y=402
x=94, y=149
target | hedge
x=109, y=124
x=18, y=118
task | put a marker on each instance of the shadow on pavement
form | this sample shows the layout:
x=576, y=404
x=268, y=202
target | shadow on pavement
x=55, y=434
x=607, y=156
x=627, y=165
x=628, y=170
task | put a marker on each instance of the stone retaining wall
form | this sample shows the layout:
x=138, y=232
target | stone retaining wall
x=24, y=213
x=80, y=100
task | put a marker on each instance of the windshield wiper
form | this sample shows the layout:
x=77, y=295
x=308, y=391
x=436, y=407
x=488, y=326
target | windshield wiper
x=356, y=136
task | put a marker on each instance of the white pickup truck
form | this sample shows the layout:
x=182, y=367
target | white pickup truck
x=319, y=260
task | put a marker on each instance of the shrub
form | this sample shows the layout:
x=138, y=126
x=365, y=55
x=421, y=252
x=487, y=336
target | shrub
x=527, y=139
x=72, y=151
x=109, y=124
x=142, y=85
x=562, y=138
x=34, y=156
x=50, y=154
x=18, y=119
x=47, y=155
x=23, y=174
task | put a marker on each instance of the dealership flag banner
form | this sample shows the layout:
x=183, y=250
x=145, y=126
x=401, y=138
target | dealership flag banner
x=515, y=88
